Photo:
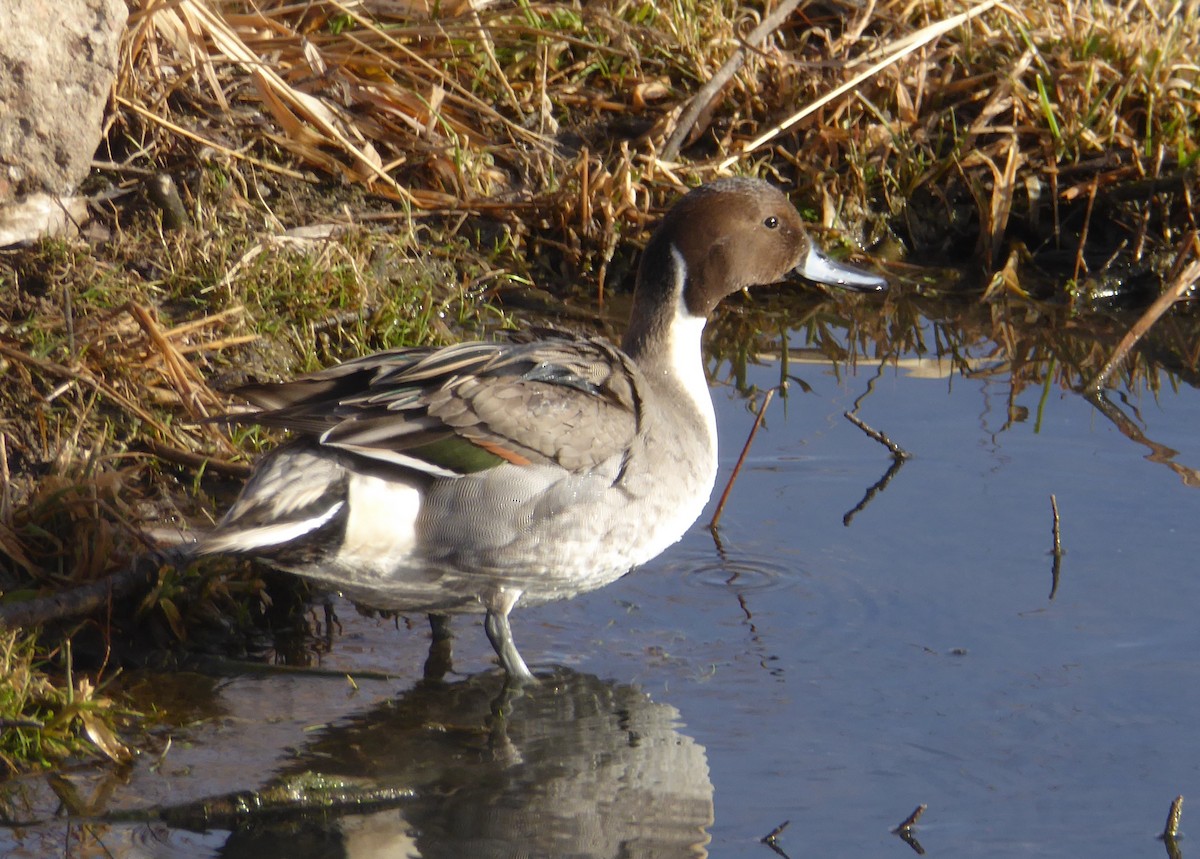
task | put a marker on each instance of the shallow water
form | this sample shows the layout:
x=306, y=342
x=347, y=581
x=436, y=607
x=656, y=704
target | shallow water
x=797, y=668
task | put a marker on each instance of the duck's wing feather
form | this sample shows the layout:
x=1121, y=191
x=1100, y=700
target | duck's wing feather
x=571, y=401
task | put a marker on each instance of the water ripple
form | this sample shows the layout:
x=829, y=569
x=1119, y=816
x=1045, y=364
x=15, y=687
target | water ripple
x=746, y=572
x=829, y=608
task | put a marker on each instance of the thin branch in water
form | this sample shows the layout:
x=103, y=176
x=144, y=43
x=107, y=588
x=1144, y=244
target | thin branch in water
x=911, y=821
x=898, y=453
x=1171, y=830
x=870, y=389
x=1057, y=552
x=771, y=839
x=776, y=832
x=1173, y=851
x=1128, y=427
x=874, y=490
x=1180, y=286
x=741, y=459
x=905, y=829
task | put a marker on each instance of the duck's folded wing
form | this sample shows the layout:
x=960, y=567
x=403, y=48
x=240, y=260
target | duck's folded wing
x=461, y=409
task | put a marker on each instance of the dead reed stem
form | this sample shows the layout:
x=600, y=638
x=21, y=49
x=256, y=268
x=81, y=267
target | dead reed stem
x=701, y=103
x=737, y=468
x=899, y=50
x=1184, y=282
x=82, y=600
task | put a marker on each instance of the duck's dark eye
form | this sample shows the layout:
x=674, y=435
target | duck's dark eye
x=771, y=223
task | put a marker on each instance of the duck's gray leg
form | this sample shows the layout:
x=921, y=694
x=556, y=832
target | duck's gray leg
x=439, y=663
x=499, y=633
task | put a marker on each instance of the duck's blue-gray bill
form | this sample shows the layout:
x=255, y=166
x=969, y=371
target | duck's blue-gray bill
x=816, y=266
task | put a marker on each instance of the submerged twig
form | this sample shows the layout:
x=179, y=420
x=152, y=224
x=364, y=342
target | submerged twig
x=1183, y=282
x=1129, y=428
x=232, y=665
x=1056, y=567
x=1173, y=851
x=1170, y=833
x=741, y=459
x=875, y=489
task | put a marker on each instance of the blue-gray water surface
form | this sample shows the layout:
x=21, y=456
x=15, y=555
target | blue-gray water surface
x=802, y=669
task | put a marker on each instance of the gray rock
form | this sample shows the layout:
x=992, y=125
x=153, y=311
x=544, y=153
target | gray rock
x=57, y=65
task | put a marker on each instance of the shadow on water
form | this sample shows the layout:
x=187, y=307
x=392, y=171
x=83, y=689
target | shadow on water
x=573, y=766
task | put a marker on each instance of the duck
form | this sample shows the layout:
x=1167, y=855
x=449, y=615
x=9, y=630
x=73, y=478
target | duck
x=530, y=468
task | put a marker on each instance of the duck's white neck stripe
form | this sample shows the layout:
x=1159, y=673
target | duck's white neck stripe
x=687, y=361
x=679, y=273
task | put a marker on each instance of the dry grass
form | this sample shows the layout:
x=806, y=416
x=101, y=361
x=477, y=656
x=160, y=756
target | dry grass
x=1029, y=120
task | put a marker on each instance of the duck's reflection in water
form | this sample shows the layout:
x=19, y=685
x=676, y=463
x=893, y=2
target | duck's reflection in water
x=571, y=767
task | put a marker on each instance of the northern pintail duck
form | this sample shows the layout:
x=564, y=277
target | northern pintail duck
x=532, y=468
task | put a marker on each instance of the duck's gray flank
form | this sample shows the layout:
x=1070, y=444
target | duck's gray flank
x=531, y=468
